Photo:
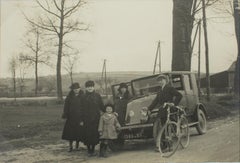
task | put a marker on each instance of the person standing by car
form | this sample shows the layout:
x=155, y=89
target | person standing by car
x=121, y=101
x=73, y=113
x=93, y=105
x=168, y=94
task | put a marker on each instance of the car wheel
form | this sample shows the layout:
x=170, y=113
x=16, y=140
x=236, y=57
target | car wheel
x=202, y=122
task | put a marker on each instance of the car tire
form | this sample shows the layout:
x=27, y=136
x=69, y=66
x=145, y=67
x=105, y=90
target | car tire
x=202, y=122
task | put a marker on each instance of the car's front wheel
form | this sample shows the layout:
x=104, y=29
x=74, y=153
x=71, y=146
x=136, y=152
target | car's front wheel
x=202, y=122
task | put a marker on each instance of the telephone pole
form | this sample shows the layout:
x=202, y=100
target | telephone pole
x=206, y=48
x=104, y=76
x=157, y=57
x=199, y=58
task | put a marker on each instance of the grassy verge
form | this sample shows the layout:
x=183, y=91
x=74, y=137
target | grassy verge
x=28, y=126
x=220, y=106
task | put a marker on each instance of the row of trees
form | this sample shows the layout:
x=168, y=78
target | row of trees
x=46, y=38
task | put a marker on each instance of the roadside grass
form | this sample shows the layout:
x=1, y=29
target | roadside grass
x=220, y=106
x=28, y=126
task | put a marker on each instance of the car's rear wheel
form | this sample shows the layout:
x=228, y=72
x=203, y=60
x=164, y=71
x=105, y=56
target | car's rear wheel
x=202, y=122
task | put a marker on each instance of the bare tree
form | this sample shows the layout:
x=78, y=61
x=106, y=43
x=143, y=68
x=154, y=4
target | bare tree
x=22, y=67
x=70, y=63
x=184, y=13
x=36, y=56
x=13, y=69
x=58, y=23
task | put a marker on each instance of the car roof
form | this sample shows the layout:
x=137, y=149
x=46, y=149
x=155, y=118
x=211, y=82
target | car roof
x=165, y=73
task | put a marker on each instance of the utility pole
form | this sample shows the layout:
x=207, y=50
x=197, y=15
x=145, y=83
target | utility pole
x=206, y=49
x=199, y=58
x=157, y=57
x=104, y=76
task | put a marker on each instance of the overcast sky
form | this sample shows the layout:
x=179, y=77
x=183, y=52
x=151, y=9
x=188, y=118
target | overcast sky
x=123, y=32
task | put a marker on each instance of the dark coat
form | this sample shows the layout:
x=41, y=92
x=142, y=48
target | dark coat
x=73, y=112
x=121, y=102
x=93, y=105
x=168, y=94
x=109, y=126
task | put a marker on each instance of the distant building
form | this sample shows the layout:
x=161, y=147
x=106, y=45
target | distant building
x=222, y=82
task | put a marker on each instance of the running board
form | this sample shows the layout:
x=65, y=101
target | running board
x=136, y=126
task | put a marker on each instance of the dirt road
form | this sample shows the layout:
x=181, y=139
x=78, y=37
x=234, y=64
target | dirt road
x=221, y=143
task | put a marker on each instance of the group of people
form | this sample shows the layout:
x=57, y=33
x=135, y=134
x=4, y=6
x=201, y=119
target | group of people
x=89, y=121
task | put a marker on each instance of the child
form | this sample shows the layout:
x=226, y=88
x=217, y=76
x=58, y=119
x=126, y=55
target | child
x=108, y=129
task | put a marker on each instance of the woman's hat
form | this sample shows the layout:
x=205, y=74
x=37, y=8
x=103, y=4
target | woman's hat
x=89, y=83
x=122, y=85
x=74, y=86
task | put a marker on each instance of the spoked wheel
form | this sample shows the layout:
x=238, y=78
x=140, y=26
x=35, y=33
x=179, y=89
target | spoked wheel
x=184, y=132
x=169, y=139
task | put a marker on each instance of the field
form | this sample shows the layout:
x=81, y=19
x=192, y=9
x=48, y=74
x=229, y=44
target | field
x=34, y=127
x=29, y=126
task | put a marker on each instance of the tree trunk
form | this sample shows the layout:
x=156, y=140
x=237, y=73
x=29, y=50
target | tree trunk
x=71, y=77
x=36, y=77
x=59, y=60
x=14, y=84
x=36, y=64
x=237, y=28
x=181, y=38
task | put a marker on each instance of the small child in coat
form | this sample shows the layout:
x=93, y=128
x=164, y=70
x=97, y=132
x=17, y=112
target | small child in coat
x=108, y=128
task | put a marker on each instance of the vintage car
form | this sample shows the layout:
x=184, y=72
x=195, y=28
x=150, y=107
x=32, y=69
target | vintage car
x=143, y=90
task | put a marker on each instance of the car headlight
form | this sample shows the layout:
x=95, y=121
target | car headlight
x=131, y=113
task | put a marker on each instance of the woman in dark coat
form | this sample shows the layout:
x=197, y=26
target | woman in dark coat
x=121, y=101
x=73, y=113
x=93, y=105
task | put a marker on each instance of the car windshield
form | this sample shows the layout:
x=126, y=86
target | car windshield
x=145, y=86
